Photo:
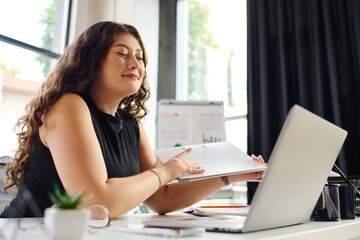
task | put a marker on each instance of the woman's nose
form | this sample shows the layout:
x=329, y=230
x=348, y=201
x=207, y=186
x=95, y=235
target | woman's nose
x=133, y=63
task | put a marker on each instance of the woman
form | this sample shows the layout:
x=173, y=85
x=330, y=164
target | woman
x=83, y=131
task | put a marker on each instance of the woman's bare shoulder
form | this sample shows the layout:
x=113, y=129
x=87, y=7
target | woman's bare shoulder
x=70, y=99
x=69, y=111
x=68, y=103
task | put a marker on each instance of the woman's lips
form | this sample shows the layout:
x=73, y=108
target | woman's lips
x=131, y=76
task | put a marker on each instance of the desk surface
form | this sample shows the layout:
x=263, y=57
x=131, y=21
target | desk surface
x=344, y=229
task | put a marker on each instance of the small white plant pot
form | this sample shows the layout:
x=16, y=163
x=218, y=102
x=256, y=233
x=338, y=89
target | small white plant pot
x=65, y=224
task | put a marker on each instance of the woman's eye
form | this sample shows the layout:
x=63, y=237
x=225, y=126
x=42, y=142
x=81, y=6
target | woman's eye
x=140, y=58
x=123, y=54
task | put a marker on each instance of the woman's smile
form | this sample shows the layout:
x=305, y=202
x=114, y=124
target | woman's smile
x=131, y=76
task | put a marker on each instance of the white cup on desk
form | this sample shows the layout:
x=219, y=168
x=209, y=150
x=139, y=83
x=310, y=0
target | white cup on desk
x=65, y=224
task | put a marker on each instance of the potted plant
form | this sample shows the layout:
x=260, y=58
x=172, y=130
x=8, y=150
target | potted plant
x=64, y=221
x=357, y=201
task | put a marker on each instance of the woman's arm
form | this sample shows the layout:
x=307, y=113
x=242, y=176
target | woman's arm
x=69, y=134
x=175, y=196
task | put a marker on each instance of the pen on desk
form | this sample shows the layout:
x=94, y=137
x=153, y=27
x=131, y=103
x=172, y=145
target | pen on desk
x=236, y=206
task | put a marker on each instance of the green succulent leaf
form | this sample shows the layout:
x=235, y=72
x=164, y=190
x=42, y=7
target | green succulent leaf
x=63, y=199
x=357, y=190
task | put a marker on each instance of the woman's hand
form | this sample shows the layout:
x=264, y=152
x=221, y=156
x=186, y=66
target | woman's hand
x=249, y=176
x=178, y=166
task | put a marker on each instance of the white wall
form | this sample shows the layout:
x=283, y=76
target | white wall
x=144, y=15
x=11, y=108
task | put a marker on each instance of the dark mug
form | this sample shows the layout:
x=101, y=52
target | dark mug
x=328, y=206
x=347, y=201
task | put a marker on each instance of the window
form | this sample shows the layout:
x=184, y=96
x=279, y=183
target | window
x=211, y=59
x=211, y=65
x=32, y=35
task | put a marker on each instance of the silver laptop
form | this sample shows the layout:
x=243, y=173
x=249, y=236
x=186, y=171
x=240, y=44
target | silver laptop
x=299, y=165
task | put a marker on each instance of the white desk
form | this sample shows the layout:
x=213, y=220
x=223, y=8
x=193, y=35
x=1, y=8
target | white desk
x=344, y=229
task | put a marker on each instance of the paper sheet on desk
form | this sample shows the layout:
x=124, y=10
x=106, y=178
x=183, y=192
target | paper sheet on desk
x=238, y=211
x=162, y=232
x=218, y=159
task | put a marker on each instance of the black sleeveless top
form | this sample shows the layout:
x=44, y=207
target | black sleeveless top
x=119, y=141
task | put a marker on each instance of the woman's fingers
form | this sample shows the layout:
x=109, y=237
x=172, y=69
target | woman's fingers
x=258, y=159
x=178, y=166
x=193, y=167
x=198, y=168
x=184, y=153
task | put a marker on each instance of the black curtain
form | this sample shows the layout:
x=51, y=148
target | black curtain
x=304, y=52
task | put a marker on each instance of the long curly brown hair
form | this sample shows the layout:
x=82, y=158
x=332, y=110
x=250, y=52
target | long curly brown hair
x=75, y=70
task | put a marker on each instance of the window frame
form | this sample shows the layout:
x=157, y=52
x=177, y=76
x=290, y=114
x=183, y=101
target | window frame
x=64, y=21
x=60, y=41
x=171, y=60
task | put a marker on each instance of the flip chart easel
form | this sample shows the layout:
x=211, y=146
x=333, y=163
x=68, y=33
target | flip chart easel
x=189, y=122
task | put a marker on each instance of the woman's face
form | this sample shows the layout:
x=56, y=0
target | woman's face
x=123, y=67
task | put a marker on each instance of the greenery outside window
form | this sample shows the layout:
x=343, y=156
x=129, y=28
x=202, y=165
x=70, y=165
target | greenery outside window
x=211, y=59
x=211, y=65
